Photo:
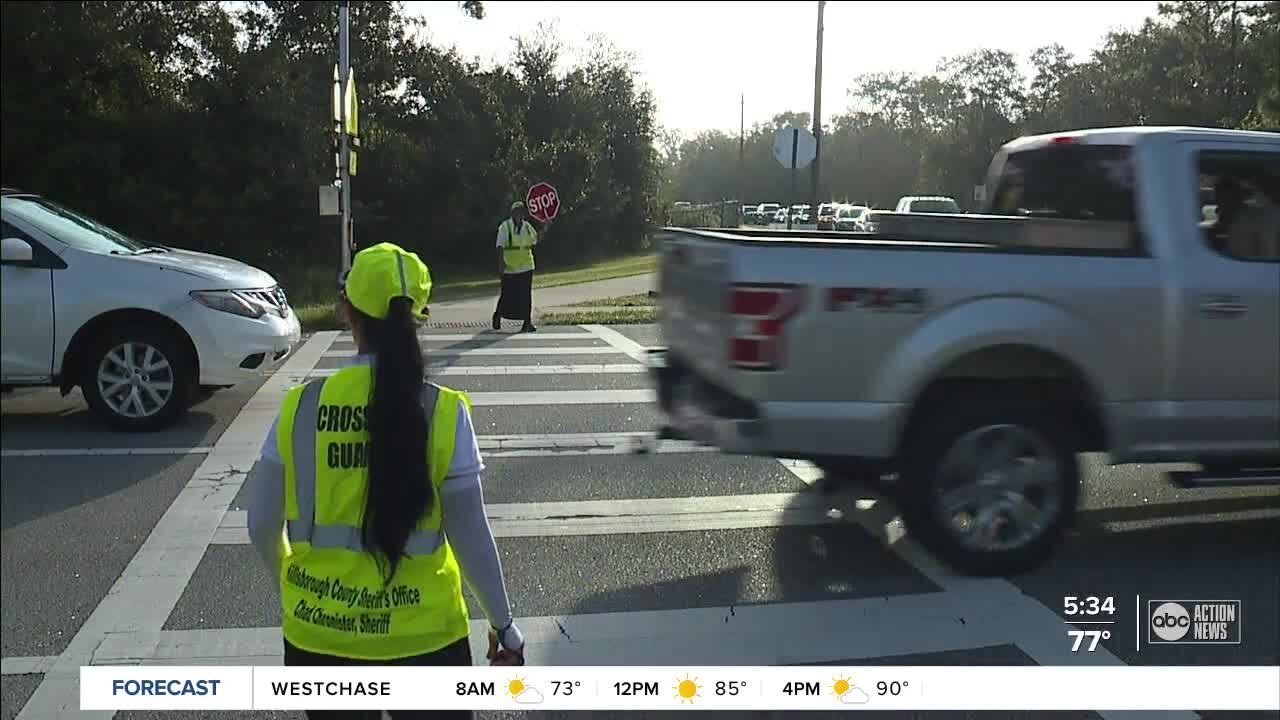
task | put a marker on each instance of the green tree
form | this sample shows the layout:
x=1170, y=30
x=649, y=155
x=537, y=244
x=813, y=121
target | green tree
x=208, y=125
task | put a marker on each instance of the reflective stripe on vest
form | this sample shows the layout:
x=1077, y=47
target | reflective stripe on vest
x=304, y=529
x=517, y=254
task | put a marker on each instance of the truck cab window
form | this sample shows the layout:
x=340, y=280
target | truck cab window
x=1239, y=204
x=1067, y=181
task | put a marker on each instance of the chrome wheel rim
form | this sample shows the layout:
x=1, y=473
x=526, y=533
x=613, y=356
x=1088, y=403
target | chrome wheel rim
x=135, y=380
x=999, y=488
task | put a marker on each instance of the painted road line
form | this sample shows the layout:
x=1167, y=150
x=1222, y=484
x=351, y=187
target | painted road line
x=149, y=588
x=634, y=516
x=498, y=337
x=616, y=450
x=1036, y=629
x=766, y=634
x=490, y=370
x=81, y=452
x=560, y=439
x=501, y=351
x=549, y=442
x=562, y=397
x=27, y=665
x=486, y=335
x=619, y=341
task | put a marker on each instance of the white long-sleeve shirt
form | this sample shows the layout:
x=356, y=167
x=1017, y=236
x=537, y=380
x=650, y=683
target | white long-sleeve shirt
x=463, y=517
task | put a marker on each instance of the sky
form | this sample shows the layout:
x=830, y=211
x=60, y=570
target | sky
x=700, y=58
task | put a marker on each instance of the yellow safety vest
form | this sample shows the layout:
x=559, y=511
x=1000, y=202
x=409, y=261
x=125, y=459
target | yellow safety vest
x=517, y=254
x=333, y=595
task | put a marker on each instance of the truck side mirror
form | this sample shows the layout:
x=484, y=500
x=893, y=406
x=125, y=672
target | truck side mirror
x=16, y=251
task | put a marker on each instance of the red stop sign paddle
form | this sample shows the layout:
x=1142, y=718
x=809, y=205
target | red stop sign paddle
x=542, y=201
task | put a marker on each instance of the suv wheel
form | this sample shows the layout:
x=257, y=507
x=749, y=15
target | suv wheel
x=990, y=482
x=138, y=378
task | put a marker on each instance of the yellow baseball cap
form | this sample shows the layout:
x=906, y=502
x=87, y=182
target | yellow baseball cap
x=385, y=271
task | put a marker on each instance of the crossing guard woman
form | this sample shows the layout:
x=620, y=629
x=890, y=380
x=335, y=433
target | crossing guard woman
x=367, y=501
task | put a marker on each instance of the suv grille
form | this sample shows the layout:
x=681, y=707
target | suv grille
x=272, y=298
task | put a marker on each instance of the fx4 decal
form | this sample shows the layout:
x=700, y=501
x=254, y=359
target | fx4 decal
x=885, y=299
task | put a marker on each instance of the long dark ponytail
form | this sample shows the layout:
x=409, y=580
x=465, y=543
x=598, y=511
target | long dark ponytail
x=400, y=490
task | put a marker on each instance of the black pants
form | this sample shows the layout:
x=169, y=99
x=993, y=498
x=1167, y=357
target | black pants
x=458, y=653
x=516, y=300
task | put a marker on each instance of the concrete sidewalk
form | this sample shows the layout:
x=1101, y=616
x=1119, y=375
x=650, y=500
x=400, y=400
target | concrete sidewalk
x=478, y=312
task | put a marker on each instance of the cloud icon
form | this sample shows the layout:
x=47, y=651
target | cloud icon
x=530, y=696
x=855, y=696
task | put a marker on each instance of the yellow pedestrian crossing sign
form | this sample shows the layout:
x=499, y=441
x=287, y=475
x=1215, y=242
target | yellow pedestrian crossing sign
x=353, y=114
x=347, y=104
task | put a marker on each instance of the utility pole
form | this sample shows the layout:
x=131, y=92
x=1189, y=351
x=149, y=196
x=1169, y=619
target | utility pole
x=344, y=161
x=817, y=115
x=742, y=162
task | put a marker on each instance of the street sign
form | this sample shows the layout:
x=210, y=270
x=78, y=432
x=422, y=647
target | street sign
x=795, y=147
x=543, y=202
x=329, y=200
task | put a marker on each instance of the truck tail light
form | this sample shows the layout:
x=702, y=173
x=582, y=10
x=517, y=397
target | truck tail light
x=759, y=314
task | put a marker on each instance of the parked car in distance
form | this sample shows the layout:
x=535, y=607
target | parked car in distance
x=927, y=204
x=827, y=216
x=765, y=212
x=141, y=329
x=850, y=218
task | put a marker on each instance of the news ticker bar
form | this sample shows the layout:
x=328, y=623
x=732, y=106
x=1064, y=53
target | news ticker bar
x=676, y=688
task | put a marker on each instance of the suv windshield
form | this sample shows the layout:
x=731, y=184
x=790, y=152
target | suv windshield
x=934, y=206
x=72, y=228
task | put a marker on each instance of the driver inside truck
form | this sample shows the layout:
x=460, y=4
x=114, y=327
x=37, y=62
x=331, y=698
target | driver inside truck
x=1248, y=221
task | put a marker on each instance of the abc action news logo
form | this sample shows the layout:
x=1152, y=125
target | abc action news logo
x=1190, y=622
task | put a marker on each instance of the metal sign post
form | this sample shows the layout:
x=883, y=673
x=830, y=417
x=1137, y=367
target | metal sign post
x=344, y=161
x=795, y=141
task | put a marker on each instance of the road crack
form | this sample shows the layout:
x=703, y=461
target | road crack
x=563, y=631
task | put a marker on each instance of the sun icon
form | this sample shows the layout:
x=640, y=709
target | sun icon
x=687, y=689
x=840, y=685
x=515, y=686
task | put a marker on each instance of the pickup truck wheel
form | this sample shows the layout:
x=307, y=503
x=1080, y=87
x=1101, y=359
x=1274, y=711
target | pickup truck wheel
x=138, y=378
x=990, y=484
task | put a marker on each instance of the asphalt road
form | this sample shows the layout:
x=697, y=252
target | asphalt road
x=686, y=557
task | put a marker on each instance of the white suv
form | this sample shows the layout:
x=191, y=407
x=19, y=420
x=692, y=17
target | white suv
x=142, y=329
x=928, y=204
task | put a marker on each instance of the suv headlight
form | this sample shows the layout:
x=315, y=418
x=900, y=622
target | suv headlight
x=229, y=301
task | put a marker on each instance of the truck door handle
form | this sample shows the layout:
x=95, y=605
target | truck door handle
x=1222, y=307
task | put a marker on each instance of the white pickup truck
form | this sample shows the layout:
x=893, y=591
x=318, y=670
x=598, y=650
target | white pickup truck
x=1121, y=294
x=142, y=329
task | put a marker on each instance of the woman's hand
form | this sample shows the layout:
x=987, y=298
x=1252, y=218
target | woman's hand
x=500, y=656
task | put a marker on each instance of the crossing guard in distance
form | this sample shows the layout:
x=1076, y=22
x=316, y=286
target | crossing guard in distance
x=542, y=201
